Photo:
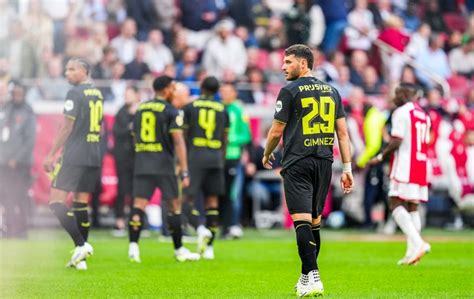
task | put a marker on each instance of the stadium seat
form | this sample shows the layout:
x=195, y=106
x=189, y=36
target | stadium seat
x=459, y=85
x=455, y=22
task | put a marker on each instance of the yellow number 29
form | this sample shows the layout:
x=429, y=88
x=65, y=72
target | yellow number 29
x=325, y=108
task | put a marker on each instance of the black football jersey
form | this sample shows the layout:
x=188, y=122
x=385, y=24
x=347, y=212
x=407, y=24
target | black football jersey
x=153, y=124
x=84, y=103
x=206, y=121
x=309, y=108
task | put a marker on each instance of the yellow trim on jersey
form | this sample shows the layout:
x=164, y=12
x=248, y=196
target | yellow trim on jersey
x=279, y=121
x=203, y=142
x=148, y=147
x=70, y=116
x=175, y=130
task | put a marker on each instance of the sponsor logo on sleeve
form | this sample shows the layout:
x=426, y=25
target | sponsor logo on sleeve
x=69, y=105
x=278, y=106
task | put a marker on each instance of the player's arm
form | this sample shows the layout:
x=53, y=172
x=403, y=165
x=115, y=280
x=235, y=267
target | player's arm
x=347, y=181
x=399, y=129
x=281, y=117
x=392, y=146
x=180, y=148
x=59, y=141
x=273, y=139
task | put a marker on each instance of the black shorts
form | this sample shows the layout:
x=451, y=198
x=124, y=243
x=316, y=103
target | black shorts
x=144, y=185
x=306, y=184
x=75, y=178
x=211, y=181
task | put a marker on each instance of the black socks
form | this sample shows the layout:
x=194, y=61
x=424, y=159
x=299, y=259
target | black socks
x=174, y=227
x=315, y=229
x=212, y=222
x=135, y=224
x=82, y=218
x=68, y=222
x=306, y=246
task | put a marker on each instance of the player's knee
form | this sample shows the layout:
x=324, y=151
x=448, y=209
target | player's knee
x=316, y=221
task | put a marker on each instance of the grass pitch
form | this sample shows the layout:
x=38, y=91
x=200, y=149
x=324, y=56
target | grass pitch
x=262, y=265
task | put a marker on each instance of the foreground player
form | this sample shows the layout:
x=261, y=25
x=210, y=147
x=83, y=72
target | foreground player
x=158, y=135
x=308, y=112
x=206, y=122
x=408, y=183
x=78, y=169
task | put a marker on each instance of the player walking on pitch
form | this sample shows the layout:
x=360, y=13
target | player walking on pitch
x=408, y=180
x=158, y=136
x=78, y=169
x=308, y=112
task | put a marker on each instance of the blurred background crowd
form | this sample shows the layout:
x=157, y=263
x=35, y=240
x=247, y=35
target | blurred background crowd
x=361, y=47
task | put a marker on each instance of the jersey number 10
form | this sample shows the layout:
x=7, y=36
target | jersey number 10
x=326, y=108
x=96, y=110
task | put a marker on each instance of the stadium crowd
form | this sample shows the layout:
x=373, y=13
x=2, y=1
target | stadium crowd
x=241, y=42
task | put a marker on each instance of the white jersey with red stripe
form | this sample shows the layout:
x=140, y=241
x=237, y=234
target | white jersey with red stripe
x=408, y=173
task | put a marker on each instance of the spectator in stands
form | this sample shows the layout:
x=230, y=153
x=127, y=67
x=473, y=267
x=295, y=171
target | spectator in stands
x=342, y=83
x=304, y=23
x=58, y=11
x=17, y=140
x=335, y=14
x=242, y=11
x=461, y=59
x=7, y=16
x=410, y=17
x=20, y=53
x=123, y=152
x=274, y=37
x=408, y=75
x=197, y=15
x=273, y=71
x=455, y=39
x=125, y=43
x=358, y=64
x=166, y=11
x=138, y=68
x=96, y=43
x=335, y=60
x=157, y=55
x=434, y=53
x=115, y=89
x=419, y=40
x=434, y=17
x=38, y=27
x=186, y=68
x=225, y=51
x=361, y=29
x=254, y=93
x=372, y=84
x=55, y=86
x=247, y=37
x=393, y=36
x=4, y=96
x=103, y=69
x=382, y=11
x=144, y=14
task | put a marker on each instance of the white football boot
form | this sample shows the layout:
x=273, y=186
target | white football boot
x=208, y=254
x=82, y=265
x=183, y=254
x=134, y=252
x=314, y=288
x=204, y=235
x=301, y=283
x=79, y=254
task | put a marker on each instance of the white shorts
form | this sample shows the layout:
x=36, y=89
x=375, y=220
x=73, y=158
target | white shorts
x=407, y=191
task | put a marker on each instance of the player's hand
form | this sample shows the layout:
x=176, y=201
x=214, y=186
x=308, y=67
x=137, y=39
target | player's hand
x=267, y=161
x=48, y=164
x=347, y=182
x=373, y=161
x=185, y=182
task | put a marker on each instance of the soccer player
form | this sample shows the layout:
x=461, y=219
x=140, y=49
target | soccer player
x=408, y=182
x=78, y=169
x=158, y=136
x=307, y=114
x=207, y=123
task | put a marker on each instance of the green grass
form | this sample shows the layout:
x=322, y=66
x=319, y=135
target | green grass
x=262, y=265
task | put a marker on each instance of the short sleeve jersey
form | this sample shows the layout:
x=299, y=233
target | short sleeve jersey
x=206, y=121
x=309, y=108
x=153, y=124
x=84, y=104
x=409, y=162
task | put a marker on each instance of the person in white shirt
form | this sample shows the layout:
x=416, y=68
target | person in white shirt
x=461, y=59
x=157, y=55
x=361, y=30
x=126, y=43
x=225, y=51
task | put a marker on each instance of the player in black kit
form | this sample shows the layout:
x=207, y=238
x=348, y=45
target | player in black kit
x=206, y=122
x=78, y=168
x=307, y=114
x=158, y=135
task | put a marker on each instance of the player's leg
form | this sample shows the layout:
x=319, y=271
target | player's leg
x=412, y=208
x=143, y=188
x=190, y=211
x=298, y=187
x=213, y=187
x=81, y=213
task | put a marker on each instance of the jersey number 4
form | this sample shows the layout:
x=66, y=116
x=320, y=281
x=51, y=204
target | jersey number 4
x=326, y=108
x=207, y=121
